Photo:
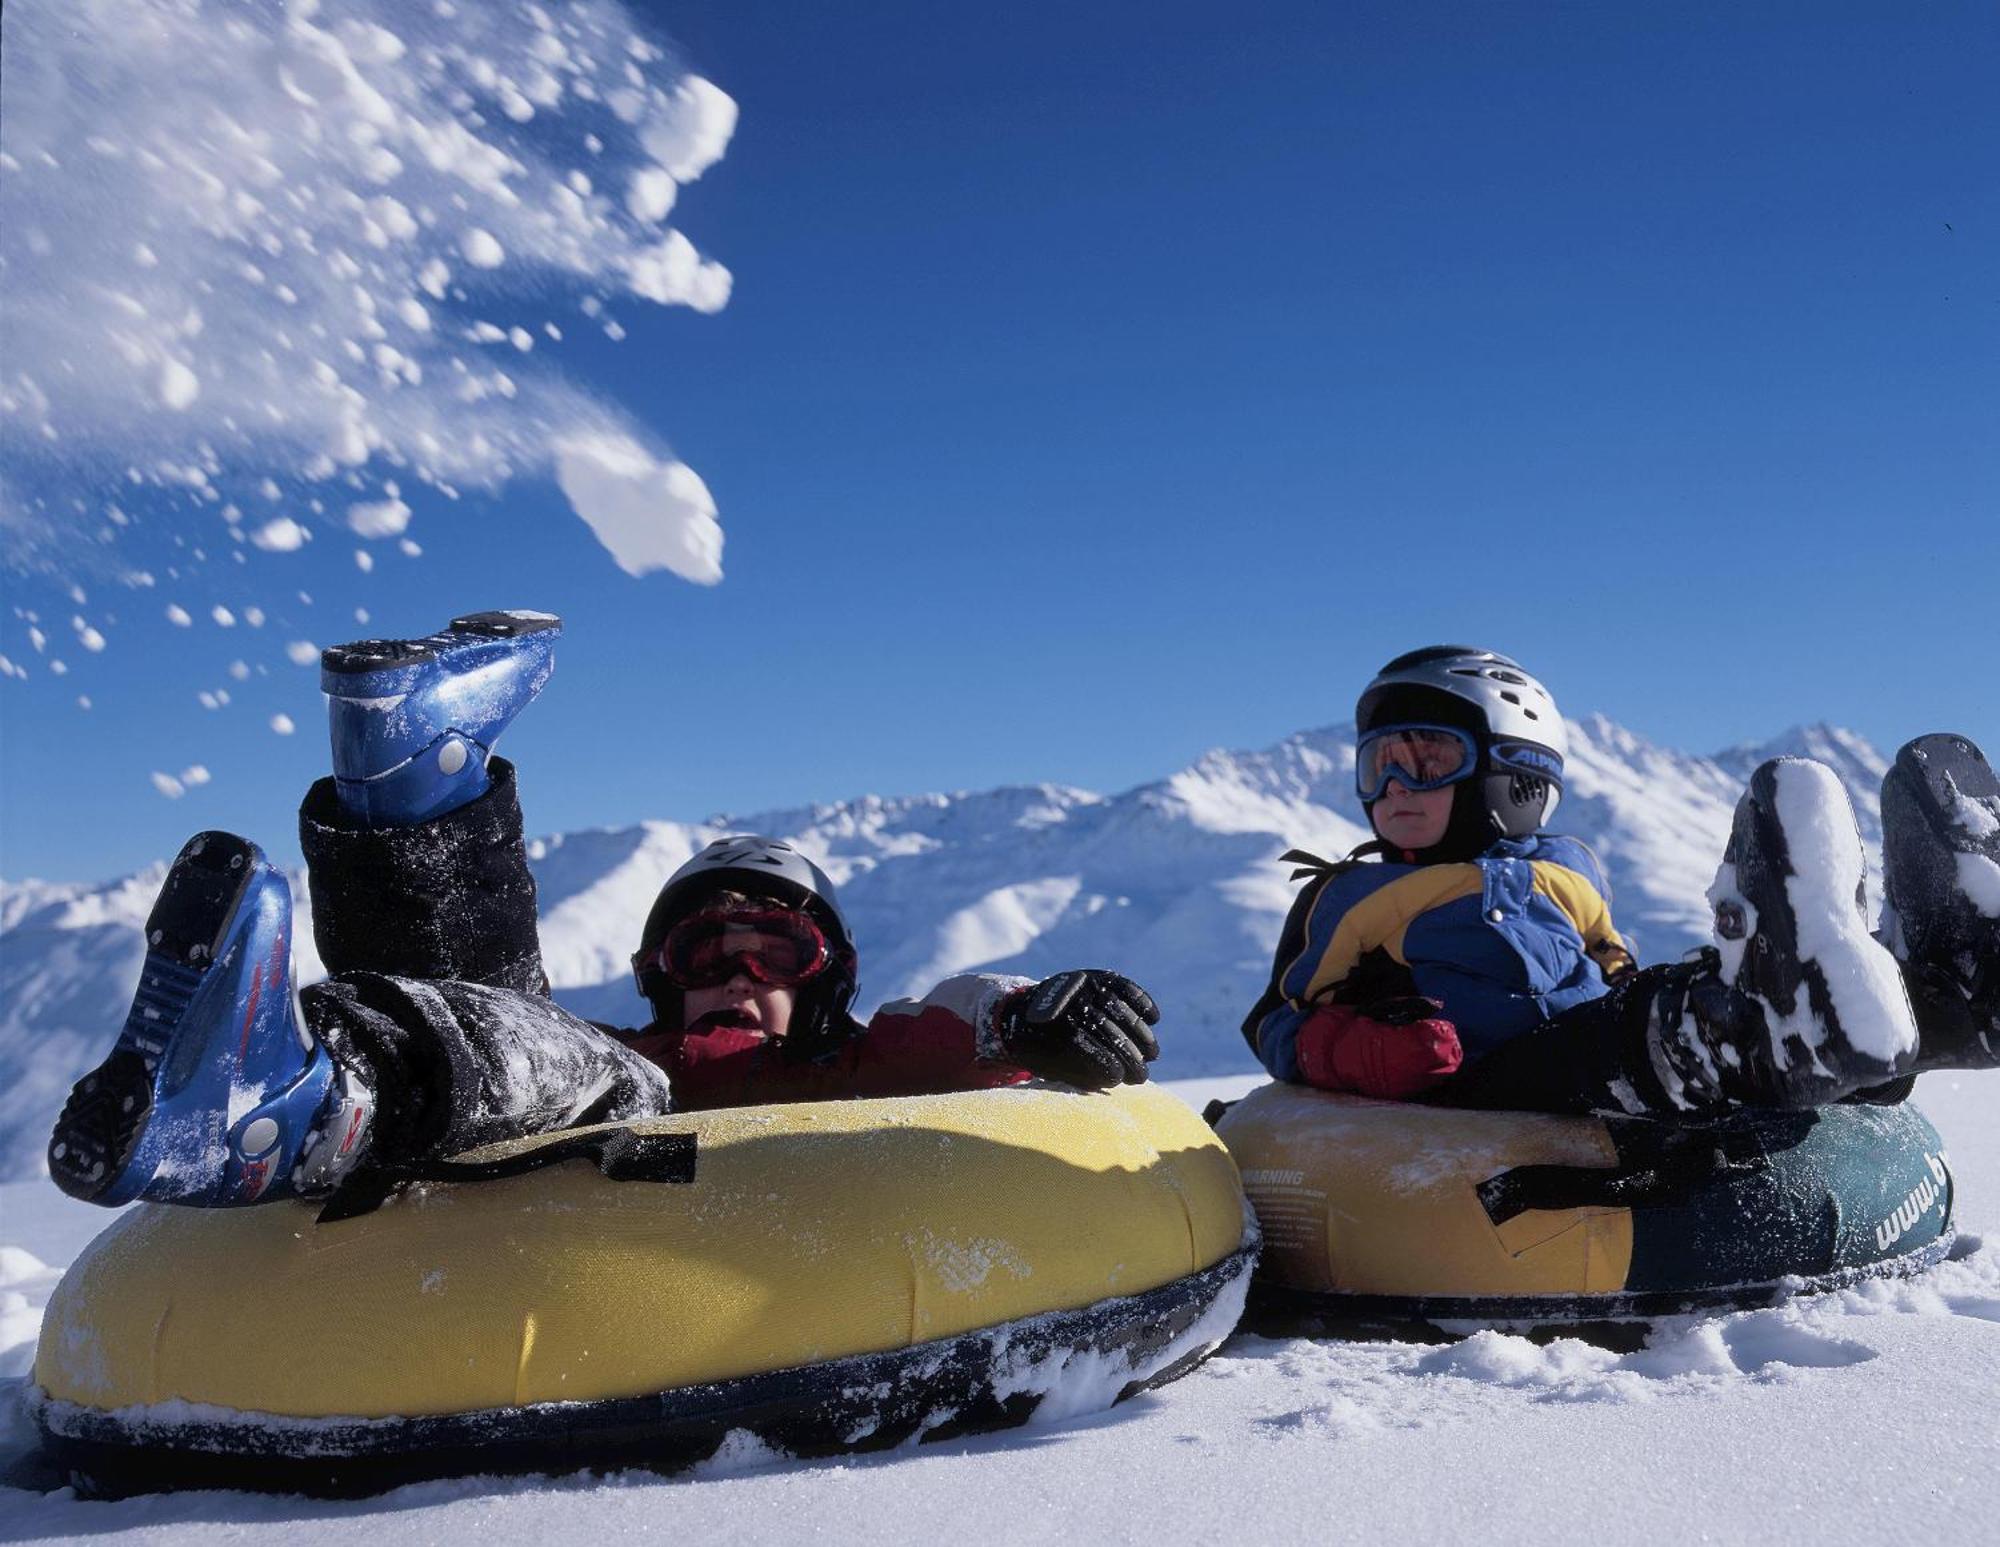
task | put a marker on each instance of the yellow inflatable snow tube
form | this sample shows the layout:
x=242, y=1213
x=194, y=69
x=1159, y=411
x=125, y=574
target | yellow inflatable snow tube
x=804, y=1235
x=1395, y=1212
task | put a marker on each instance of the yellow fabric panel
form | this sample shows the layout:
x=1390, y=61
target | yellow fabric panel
x=1378, y=1198
x=1383, y=918
x=1588, y=911
x=810, y=1232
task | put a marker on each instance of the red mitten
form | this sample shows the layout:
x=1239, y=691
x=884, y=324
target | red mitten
x=1343, y=1048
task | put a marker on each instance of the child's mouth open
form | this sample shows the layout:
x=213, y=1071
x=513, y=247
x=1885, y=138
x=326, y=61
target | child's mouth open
x=741, y=1017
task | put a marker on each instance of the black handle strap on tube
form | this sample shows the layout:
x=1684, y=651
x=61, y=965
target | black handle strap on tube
x=620, y=1154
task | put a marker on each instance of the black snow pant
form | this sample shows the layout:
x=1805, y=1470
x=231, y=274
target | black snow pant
x=1594, y=1057
x=436, y=995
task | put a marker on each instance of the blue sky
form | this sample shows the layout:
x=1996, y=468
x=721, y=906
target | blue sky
x=1103, y=384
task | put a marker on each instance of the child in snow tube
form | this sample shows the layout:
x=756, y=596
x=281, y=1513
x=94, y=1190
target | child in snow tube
x=435, y=1033
x=1468, y=957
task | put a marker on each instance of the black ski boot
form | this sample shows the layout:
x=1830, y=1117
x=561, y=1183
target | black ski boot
x=1941, y=870
x=1797, y=1004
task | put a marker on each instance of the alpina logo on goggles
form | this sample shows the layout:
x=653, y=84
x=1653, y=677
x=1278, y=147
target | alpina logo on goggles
x=777, y=947
x=1418, y=757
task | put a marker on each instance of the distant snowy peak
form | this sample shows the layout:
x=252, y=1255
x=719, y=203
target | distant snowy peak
x=1176, y=882
x=1850, y=755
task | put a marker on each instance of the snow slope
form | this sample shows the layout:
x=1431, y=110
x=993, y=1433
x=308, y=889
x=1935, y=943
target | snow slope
x=1175, y=882
x=1867, y=1416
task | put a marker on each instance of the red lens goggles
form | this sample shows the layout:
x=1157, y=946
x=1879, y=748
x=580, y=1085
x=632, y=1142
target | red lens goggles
x=778, y=947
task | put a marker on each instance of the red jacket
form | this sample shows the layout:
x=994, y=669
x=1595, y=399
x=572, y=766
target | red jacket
x=910, y=1047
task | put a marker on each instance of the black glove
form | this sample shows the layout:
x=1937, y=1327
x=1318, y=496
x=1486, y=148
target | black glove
x=1088, y=1028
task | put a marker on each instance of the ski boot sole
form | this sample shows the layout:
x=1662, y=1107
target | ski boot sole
x=102, y=1122
x=1836, y=1007
x=363, y=656
x=1941, y=830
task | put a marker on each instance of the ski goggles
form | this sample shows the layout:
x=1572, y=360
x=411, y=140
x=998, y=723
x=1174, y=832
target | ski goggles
x=777, y=947
x=1418, y=757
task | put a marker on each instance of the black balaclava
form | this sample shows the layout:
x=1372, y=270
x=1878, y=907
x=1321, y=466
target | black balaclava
x=1494, y=803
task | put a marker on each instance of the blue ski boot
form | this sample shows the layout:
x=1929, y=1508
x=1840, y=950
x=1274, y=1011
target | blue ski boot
x=1941, y=870
x=414, y=720
x=212, y=1096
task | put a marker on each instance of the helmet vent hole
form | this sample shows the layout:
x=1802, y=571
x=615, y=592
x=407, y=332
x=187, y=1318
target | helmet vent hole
x=1526, y=710
x=1510, y=695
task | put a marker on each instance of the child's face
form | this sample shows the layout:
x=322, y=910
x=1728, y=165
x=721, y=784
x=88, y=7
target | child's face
x=1412, y=819
x=743, y=1002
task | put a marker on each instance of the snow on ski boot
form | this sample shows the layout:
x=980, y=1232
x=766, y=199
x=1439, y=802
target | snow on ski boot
x=1804, y=1005
x=212, y=1095
x=1941, y=871
x=414, y=720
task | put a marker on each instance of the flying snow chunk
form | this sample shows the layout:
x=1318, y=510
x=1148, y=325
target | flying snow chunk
x=302, y=652
x=284, y=535
x=194, y=777
x=378, y=518
x=363, y=560
x=673, y=273
x=691, y=135
x=481, y=249
x=649, y=514
x=651, y=194
x=179, y=386
x=282, y=724
x=224, y=618
x=168, y=785
x=284, y=306
x=178, y=616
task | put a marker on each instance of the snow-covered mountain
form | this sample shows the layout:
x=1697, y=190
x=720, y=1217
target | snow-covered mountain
x=1176, y=883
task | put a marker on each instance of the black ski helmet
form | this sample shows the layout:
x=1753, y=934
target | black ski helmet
x=757, y=866
x=1513, y=721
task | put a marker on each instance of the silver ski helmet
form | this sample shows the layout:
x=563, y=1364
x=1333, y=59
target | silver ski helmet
x=757, y=866
x=1515, y=726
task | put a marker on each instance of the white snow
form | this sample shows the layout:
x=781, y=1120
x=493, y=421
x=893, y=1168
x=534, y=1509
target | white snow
x=1864, y=1416
x=280, y=535
x=282, y=724
x=481, y=249
x=652, y=193
x=378, y=518
x=1979, y=879
x=225, y=217
x=1978, y=815
x=1829, y=867
x=179, y=386
x=649, y=514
